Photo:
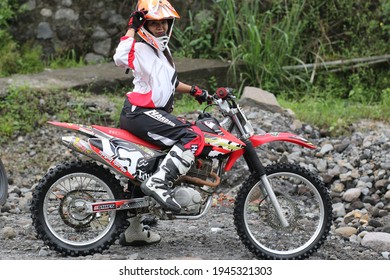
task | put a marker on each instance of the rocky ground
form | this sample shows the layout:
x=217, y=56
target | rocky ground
x=356, y=168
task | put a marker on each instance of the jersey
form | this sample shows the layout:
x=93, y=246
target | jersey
x=155, y=79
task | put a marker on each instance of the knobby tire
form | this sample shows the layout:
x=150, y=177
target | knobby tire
x=57, y=239
x=258, y=226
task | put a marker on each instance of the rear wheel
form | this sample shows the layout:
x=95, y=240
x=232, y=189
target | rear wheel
x=59, y=209
x=305, y=203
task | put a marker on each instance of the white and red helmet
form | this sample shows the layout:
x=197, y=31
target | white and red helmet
x=157, y=10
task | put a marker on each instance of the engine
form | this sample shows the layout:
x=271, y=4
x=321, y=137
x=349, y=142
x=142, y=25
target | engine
x=201, y=169
x=189, y=200
x=186, y=195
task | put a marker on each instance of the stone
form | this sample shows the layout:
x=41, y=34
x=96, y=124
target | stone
x=338, y=209
x=387, y=195
x=31, y=5
x=326, y=148
x=67, y=3
x=263, y=99
x=44, y=31
x=102, y=47
x=46, y=12
x=352, y=194
x=375, y=223
x=385, y=165
x=66, y=14
x=335, y=171
x=338, y=187
x=8, y=232
x=381, y=183
x=99, y=34
x=92, y=58
x=351, y=216
x=341, y=147
x=322, y=165
x=379, y=241
x=346, y=232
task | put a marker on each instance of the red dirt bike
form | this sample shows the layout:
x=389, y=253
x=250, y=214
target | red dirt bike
x=282, y=211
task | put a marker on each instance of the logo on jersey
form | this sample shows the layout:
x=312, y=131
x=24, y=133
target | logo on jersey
x=158, y=117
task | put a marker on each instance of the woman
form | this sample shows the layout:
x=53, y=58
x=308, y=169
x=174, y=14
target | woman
x=147, y=109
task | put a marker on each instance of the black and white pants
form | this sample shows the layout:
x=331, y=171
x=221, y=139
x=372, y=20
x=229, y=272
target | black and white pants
x=161, y=128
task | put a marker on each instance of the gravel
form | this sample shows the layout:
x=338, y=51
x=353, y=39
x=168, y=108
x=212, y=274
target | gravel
x=355, y=168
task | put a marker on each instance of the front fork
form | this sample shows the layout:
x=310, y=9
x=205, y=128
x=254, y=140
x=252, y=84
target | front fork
x=255, y=166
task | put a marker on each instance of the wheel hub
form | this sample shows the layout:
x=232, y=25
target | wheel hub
x=289, y=210
x=74, y=209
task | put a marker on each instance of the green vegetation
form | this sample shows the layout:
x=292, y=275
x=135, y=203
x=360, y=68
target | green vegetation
x=337, y=115
x=15, y=58
x=26, y=58
x=267, y=36
x=259, y=38
x=23, y=110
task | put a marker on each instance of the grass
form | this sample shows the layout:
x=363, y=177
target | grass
x=22, y=110
x=185, y=103
x=336, y=115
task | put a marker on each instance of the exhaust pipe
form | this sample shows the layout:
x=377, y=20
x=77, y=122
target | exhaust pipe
x=80, y=146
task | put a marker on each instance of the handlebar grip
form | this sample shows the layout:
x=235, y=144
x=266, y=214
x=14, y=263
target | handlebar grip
x=222, y=93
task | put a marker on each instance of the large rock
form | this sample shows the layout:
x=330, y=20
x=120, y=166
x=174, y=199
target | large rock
x=379, y=241
x=264, y=100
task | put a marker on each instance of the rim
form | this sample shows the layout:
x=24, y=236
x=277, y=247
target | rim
x=64, y=209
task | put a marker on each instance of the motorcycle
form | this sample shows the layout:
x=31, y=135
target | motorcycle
x=3, y=184
x=281, y=211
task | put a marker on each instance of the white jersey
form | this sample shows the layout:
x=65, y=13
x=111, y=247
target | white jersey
x=154, y=77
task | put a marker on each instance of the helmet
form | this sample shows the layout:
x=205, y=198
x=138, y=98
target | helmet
x=157, y=10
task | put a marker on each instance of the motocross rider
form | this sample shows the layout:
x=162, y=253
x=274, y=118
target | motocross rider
x=147, y=109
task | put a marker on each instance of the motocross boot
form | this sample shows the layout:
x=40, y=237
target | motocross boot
x=159, y=186
x=137, y=234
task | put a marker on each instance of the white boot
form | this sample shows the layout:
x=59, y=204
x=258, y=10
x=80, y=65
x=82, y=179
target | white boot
x=159, y=186
x=137, y=234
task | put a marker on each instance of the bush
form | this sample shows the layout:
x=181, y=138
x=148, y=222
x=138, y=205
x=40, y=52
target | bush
x=266, y=36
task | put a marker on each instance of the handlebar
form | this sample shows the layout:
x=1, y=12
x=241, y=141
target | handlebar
x=223, y=93
x=223, y=97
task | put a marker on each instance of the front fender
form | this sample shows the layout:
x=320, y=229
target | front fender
x=258, y=140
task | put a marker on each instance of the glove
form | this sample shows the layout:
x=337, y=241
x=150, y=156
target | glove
x=201, y=95
x=137, y=19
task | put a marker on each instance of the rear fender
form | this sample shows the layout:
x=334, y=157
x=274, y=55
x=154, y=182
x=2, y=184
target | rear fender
x=83, y=129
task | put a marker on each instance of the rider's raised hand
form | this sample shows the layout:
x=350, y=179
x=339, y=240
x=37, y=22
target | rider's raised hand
x=201, y=95
x=137, y=19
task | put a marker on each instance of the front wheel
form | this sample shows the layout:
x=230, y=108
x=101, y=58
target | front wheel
x=305, y=203
x=59, y=209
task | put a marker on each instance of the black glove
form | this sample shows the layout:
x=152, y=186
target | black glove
x=137, y=19
x=201, y=95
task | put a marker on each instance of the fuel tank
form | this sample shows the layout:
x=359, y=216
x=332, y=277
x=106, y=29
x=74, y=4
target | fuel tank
x=218, y=141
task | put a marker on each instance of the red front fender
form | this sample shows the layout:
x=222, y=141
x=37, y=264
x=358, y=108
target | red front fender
x=258, y=140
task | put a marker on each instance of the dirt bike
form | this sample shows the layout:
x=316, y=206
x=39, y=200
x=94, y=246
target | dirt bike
x=281, y=211
x=3, y=184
